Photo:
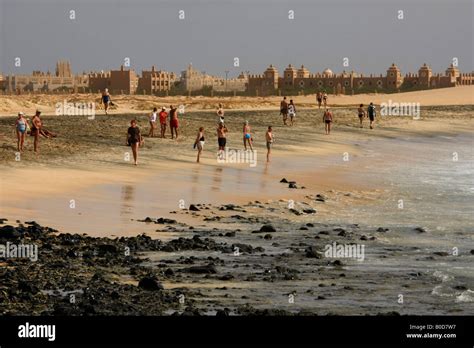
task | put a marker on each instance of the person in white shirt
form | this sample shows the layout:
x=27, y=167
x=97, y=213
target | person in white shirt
x=152, y=118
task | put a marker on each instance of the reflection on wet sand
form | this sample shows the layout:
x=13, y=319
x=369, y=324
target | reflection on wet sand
x=217, y=179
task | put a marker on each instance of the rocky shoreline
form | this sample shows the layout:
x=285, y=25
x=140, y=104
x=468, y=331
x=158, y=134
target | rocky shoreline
x=256, y=260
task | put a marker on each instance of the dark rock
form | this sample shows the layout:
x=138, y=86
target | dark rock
x=303, y=228
x=226, y=277
x=267, y=236
x=28, y=287
x=292, y=185
x=312, y=253
x=337, y=263
x=441, y=253
x=230, y=234
x=207, y=269
x=9, y=232
x=284, y=181
x=169, y=272
x=107, y=249
x=294, y=211
x=420, y=229
x=165, y=221
x=150, y=284
x=267, y=228
x=192, y=207
x=309, y=224
x=309, y=211
x=381, y=229
x=148, y=219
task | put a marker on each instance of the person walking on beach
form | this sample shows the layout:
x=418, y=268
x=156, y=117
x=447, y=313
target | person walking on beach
x=36, y=126
x=291, y=111
x=319, y=98
x=21, y=125
x=199, y=143
x=152, y=118
x=284, y=110
x=361, y=113
x=163, y=119
x=371, y=112
x=247, y=136
x=221, y=139
x=134, y=139
x=325, y=99
x=269, y=138
x=174, y=123
x=106, y=99
x=220, y=113
x=327, y=119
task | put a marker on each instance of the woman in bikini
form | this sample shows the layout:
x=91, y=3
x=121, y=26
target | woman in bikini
x=21, y=125
x=134, y=138
x=199, y=143
x=247, y=136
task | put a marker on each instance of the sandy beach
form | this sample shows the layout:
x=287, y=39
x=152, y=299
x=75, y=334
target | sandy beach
x=133, y=104
x=250, y=244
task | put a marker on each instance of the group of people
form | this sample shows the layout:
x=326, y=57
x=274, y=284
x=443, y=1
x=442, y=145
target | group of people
x=22, y=127
x=135, y=138
x=287, y=110
x=163, y=116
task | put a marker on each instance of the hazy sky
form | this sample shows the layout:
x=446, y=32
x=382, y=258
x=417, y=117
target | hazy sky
x=258, y=32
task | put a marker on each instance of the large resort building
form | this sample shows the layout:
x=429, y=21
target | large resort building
x=270, y=82
x=159, y=82
x=63, y=80
x=193, y=80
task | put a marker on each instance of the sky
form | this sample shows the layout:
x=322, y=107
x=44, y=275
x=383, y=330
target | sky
x=257, y=32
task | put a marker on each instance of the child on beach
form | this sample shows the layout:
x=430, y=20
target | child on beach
x=134, y=139
x=291, y=111
x=361, y=113
x=199, y=142
x=21, y=125
x=163, y=118
x=152, y=119
x=327, y=119
x=269, y=138
x=247, y=136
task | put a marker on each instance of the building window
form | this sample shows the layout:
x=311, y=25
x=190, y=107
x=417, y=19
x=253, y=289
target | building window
x=346, y=83
x=320, y=83
x=379, y=83
x=391, y=74
x=361, y=83
x=301, y=83
x=330, y=83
